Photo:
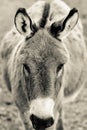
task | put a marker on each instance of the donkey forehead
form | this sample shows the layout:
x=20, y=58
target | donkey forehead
x=42, y=46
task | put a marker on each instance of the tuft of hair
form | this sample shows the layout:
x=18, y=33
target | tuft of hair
x=45, y=15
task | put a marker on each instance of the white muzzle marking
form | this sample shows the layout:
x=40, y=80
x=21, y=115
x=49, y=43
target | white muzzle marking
x=42, y=107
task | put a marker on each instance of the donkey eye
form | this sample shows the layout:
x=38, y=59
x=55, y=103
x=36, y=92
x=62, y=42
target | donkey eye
x=26, y=70
x=59, y=67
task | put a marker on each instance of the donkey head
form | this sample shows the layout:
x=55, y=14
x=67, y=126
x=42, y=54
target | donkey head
x=40, y=65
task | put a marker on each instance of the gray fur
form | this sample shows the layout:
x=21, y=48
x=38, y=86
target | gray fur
x=43, y=53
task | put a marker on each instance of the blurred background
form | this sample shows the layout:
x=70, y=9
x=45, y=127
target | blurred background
x=75, y=113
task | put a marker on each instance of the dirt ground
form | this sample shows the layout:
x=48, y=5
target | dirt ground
x=75, y=113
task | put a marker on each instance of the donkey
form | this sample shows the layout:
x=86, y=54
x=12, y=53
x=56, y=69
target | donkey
x=43, y=61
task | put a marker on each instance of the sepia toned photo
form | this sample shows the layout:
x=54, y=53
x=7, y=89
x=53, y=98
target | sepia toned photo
x=43, y=65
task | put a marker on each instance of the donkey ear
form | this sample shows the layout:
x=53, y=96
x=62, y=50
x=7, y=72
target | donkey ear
x=62, y=28
x=23, y=22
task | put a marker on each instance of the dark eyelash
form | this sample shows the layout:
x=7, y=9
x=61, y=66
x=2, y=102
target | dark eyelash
x=27, y=68
x=59, y=67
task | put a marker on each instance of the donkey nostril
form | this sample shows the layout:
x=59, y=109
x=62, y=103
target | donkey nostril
x=41, y=123
x=50, y=122
x=34, y=121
